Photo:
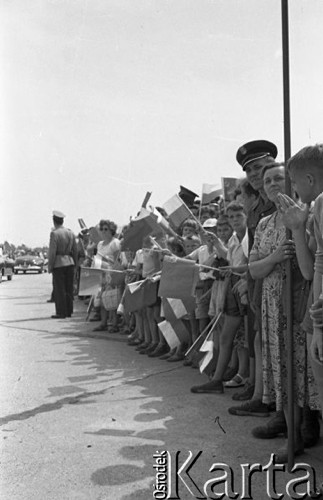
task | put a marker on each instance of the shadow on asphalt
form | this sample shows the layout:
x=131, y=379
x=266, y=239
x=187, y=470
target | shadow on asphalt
x=176, y=420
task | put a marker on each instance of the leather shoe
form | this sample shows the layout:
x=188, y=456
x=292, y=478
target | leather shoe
x=142, y=346
x=281, y=456
x=246, y=394
x=100, y=328
x=168, y=355
x=275, y=426
x=310, y=427
x=151, y=348
x=135, y=342
x=254, y=408
x=57, y=316
x=147, y=350
x=176, y=357
x=159, y=351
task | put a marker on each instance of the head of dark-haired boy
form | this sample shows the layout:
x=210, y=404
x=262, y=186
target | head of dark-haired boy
x=305, y=170
x=237, y=217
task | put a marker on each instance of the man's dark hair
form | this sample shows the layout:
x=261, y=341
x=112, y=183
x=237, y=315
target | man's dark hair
x=235, y=206
x=110, y=224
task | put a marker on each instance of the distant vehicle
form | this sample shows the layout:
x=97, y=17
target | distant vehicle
x=29, y=262
x=6, y=267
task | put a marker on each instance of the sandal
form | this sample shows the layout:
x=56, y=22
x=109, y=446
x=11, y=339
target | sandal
x=236, y=381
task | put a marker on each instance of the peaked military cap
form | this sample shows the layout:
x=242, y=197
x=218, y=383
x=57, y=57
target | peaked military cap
x=255, y=150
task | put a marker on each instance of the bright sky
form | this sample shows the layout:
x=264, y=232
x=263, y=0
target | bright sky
x=103, y=100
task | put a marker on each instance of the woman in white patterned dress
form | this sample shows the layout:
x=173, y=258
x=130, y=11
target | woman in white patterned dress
x=268, y=256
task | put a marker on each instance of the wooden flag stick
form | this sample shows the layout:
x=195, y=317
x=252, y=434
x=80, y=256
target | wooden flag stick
x=146, y=199
x=214, y=321
x=90, y=307
x=219, y=269
x=156, y=243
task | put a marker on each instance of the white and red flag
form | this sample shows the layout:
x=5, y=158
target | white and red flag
x=210, y=192
x=179, y=278
x=175, y=332
x=177, y=210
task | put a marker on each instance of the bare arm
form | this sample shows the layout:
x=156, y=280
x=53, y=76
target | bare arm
x=295, y=218
x=260, y=268
x=213, y=242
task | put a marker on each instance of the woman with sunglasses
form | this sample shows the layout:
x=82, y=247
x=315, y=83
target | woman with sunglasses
x=108, y=252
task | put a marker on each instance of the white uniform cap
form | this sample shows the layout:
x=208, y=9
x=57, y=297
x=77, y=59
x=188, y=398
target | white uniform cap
x=210, y=223
x=57, y=213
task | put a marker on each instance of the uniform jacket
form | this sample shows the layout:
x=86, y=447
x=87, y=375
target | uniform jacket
x=62, y=248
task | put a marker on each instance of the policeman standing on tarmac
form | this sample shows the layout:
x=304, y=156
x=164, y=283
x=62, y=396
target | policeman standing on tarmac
x=62, y=257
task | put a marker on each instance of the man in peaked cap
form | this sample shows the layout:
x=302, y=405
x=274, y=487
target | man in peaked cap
x=256, y=150
x=62, y=257
x=253, y=157
x=187, y=196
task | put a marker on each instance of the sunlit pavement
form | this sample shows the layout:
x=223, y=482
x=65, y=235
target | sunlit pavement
x=82, y=414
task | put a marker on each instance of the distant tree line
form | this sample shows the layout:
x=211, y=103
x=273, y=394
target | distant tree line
x=13, y=250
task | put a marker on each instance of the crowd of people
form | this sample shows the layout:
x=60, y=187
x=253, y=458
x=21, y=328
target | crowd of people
x=244, y=251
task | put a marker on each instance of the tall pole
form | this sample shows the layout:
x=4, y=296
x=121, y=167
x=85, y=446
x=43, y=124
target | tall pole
x=287, y=148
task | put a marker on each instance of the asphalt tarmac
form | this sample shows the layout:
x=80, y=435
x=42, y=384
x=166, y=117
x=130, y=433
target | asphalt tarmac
x=84, y=416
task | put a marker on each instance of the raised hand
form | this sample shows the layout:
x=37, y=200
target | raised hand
x=294, y=215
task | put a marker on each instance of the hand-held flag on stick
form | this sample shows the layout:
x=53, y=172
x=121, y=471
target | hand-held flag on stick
x=210, y=192
x=206, y=363
x=175, y=332
x=176, y=210
x=91, y=279
x=140, y=227
x=82, y=223
x=179, y=278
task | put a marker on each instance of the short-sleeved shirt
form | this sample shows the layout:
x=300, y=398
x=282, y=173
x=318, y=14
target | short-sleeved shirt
x=237, y=250
x=201, y=255
x=151, y=261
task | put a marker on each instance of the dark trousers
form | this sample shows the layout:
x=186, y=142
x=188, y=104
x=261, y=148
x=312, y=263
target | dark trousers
x=63, y=278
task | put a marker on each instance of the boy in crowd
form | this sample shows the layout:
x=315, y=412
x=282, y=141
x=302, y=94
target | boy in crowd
x=205, y=254
x=191, y=243
x=233, y=309
x=253, y=157
x=224, y=233
x=305, y=169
